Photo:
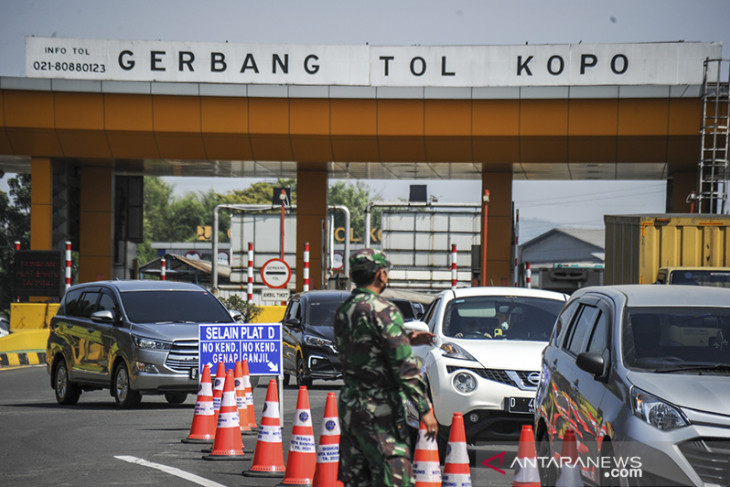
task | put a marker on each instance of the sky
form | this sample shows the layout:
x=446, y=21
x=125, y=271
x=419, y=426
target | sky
x=403, y=22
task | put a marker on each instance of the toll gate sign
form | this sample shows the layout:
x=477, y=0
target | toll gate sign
x=257, y=343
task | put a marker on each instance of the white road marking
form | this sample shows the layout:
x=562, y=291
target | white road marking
x=171, y=470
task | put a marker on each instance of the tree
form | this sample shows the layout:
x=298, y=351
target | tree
x=14, y=226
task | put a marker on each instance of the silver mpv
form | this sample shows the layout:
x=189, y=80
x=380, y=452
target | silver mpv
x=131, y=337
x=641, y=375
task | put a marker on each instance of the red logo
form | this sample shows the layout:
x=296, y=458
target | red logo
x=501, y=461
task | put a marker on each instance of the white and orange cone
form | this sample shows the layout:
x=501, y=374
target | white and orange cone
x=241, y=399
x=227, y=444
x=426, y=465
x=526, y=472
x=456, y=465
x=218, y=383
x=569, y=475
x=203, y=428
x=302, y=459
x=328, y=451
x=249, y=396
x=268, y=459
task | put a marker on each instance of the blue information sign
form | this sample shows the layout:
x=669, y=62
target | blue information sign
x=257, y=343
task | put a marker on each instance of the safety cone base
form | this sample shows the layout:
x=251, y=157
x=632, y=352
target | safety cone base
x=264, y=473
x=197, y=441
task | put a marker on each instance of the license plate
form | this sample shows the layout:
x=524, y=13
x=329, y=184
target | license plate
x=524, y=405
x=194, y=373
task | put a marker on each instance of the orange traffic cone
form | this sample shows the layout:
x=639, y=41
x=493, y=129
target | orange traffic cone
x=268, y=459
x=241, y=399
x=249, y=397
x=218, y=383
x=302, y=459
x=426, y=465
x=526, y=472
x=328, y=451
x=569, y=475
x=227, y=444
x=203, y=428
x=456, y=465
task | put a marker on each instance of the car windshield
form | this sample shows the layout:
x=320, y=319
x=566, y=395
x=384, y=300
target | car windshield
x=322, y=311
x=676, y=339
x=501, y=318
x=713, y=278
x=173, y=307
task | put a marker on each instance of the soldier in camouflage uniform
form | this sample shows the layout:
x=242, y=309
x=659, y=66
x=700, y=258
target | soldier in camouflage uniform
x=380, y=372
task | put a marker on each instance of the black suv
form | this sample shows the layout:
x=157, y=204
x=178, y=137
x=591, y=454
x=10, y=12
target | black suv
x=309, y=336
x=131, y=337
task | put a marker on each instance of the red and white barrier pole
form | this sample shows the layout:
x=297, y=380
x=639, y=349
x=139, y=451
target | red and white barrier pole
x=68, y=264
x=453, y=266
x=163, y=269
x=305, y=274
x=528, y=275
x=250, y=272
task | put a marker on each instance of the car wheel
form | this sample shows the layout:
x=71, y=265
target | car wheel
x=123, y=394
x=302, y=379
x=548, y=473
x=67, y=393
x=176, y=397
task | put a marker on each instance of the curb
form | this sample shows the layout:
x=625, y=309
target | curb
x=13, y=359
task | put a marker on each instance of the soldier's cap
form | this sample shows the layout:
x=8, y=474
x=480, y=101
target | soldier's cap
x=368, y=260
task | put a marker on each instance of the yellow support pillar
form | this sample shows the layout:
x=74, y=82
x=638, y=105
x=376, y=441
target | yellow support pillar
x=311, y=217
x=498, y=225
x=96, y=239
x=41, y=204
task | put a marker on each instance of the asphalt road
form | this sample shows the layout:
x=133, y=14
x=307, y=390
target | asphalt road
x=95, y=444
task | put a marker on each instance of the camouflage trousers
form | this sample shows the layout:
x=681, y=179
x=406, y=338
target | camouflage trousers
x=374, y=446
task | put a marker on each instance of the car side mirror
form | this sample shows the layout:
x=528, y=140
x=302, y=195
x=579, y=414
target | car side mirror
x=293, y=322
x=416, y=325
x=103, y=316
x=236, y=315
x=592, y=363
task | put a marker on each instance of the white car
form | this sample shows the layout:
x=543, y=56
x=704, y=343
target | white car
x=485, y=360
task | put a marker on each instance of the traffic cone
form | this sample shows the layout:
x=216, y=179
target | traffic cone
x=249, y=397
x=328, y=451
x=203, y=428
x=218, y=383
x=526, y=472
x=241, y=399
x=426, y=465
x=569, y=475
x=268, y=459
x=227, y=444
x=456, y=465
x=302, y=459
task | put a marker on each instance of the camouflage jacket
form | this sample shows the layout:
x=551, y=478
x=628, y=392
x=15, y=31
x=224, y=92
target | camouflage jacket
x=377, y=359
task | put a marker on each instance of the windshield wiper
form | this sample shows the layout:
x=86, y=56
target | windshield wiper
x=697, y=367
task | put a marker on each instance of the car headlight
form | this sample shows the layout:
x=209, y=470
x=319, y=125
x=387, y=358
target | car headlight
x=317, y=341
x=151, y=343
x=455, y=351
x=464, y=382
x=656, y=412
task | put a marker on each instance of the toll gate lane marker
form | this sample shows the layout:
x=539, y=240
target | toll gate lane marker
x=171, y=470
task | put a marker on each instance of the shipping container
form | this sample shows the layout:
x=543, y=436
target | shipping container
x=638, y=245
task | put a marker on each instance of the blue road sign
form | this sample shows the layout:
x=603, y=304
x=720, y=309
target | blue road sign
x=257, y=343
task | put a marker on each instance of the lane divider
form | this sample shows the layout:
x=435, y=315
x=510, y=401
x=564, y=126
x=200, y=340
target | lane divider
x=191, y=477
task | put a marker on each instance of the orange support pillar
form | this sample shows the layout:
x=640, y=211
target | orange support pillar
x=311, y=217
x=499, y=224
x=41, y=204
x=96, y=244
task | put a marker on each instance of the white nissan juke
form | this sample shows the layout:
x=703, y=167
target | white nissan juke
x=485, y=359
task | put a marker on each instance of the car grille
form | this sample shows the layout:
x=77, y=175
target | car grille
x=490, y=374
x=710, y=458
x=183, y=355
